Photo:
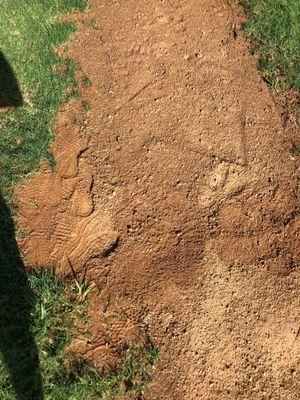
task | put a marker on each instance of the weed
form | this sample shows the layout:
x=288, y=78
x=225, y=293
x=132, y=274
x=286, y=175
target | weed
x=87, y=81
x=86, y=105
x=296, y=149
x=92, y=24
x=83, y=290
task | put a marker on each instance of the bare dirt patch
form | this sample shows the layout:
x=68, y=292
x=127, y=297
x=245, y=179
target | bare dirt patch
x=178, y=195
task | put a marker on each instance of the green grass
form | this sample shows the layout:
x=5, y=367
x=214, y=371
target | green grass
x=57, y=309
x=30, y=31
x=274, y=28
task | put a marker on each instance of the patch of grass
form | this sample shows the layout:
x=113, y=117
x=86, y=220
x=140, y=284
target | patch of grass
x=274, y=27
x=30, y=32
x=87, y=105
x=87, y=81
x=296, y=149
x=57, y=311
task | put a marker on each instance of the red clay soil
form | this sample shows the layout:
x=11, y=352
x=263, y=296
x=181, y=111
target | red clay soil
x=177, y=193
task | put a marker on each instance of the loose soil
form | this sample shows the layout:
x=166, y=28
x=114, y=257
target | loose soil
x=177, y=193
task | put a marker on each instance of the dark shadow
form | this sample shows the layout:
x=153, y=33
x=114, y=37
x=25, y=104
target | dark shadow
x=17, y=346
x=18, y=349
x=10, y=94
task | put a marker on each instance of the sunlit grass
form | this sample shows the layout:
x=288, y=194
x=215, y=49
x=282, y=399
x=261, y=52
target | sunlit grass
x=274, y=27
x=30, y=32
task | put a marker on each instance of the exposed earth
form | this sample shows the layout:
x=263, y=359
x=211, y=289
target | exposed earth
x=176, y=191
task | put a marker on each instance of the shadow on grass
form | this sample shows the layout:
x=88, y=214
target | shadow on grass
x=17, y=345
x=10, y=94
